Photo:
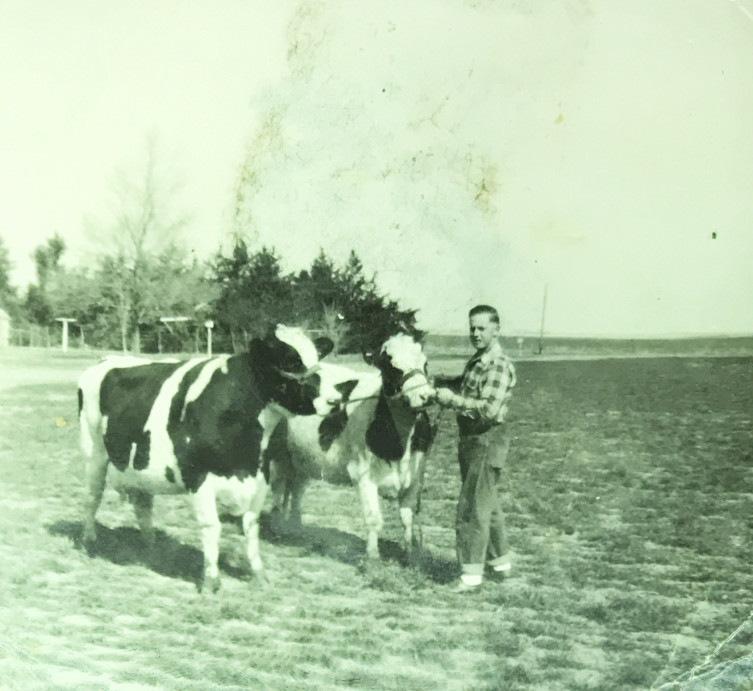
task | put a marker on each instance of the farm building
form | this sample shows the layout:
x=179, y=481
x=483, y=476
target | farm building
x=4, y=328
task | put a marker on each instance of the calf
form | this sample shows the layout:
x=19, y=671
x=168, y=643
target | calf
x=198, y=427
x=377, y=438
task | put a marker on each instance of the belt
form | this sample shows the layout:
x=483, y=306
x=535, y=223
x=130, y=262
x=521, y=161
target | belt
x=472, y=428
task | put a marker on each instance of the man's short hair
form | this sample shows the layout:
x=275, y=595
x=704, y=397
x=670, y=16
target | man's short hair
x=484, y=309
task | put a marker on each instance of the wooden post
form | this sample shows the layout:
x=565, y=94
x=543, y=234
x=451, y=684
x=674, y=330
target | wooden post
x=209, y=325
x=65, y=321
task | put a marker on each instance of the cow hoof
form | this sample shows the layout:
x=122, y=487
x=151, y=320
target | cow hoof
x=88, y=542
x=261, y=578
x=413, y=557
x=295, y=523
x=414, y=552
x=210, y=584
x=276, y=521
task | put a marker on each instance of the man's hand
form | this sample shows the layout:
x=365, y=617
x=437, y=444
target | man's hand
x=444, y=396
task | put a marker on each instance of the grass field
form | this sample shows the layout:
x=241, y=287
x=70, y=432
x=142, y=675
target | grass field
x=629, y=509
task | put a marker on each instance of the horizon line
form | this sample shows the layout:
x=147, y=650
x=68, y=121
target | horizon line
x=604, y=337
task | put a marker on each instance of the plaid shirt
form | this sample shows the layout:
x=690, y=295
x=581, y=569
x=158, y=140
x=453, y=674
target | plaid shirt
x=486, y=388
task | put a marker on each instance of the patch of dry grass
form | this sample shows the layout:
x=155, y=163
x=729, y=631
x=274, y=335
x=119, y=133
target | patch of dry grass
x=628, y=508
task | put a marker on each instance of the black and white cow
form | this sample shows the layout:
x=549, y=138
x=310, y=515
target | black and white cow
x=377, y=439
x=198, y=426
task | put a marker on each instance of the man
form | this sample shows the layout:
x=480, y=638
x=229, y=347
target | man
x=481, y=407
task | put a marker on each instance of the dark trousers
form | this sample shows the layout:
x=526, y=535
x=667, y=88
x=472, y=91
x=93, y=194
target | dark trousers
x=481, y=535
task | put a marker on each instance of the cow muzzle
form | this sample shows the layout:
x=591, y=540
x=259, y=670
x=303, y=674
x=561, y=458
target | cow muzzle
x=415, y=390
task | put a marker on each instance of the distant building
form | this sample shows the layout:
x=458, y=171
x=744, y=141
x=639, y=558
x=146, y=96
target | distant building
x=4, y=329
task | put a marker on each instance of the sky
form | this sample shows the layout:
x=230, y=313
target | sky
x=477, y=151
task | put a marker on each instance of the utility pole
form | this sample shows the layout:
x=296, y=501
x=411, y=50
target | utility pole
x=543, y=315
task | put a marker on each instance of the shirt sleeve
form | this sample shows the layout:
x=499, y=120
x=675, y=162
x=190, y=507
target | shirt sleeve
x=495, y=391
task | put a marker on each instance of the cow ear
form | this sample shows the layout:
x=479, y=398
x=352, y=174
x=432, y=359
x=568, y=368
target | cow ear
x=324, y=346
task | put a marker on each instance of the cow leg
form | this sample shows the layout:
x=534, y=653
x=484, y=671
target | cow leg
x=369, y=494
x=293, y=498
x=287, y=485
x=409, y=500
x=251, y=528
x=96, y=476
x=406, y=518
x=142, y=503
x=278, y=483
x=205, y=509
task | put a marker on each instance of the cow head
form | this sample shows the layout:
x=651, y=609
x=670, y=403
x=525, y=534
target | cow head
x=402, y=362
x=288, y=363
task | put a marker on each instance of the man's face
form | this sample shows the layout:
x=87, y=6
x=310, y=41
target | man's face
x=482, y=331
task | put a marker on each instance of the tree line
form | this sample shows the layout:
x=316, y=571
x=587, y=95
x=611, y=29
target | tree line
x=138, y=298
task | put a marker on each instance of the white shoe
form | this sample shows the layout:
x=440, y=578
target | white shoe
x=461, y=586
x=500, y=571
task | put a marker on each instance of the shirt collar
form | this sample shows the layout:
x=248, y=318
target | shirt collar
x=493, y=352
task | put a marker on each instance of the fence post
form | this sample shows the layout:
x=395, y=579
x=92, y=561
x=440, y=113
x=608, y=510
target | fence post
x=209, y=324
x=65, y=321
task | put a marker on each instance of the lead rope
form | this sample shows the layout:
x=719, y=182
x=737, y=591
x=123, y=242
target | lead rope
x=390, y=397
x=434, y=426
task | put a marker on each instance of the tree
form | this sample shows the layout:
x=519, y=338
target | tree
x=179, y=288
x=254, y=293
x=344, y=301
x=47, y=259
x=317, y=289
x=172, y=285
x=8, y=298
x=5, y=268
x=142, y=227
x=47, y=264
x=76, y=294
x=340, y=302
x=371, y=317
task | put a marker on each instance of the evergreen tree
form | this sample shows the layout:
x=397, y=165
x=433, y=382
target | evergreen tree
x=339, y=302
x=254, y=294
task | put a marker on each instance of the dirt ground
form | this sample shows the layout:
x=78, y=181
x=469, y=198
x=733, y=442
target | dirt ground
x=628, y=506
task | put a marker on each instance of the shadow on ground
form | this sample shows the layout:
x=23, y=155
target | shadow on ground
x=349, y=549
x=124, y=545
x=168, y=557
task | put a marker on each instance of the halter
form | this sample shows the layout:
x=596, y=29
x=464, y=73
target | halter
x=391, y=397
x=300, y=378
x=408, y=375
